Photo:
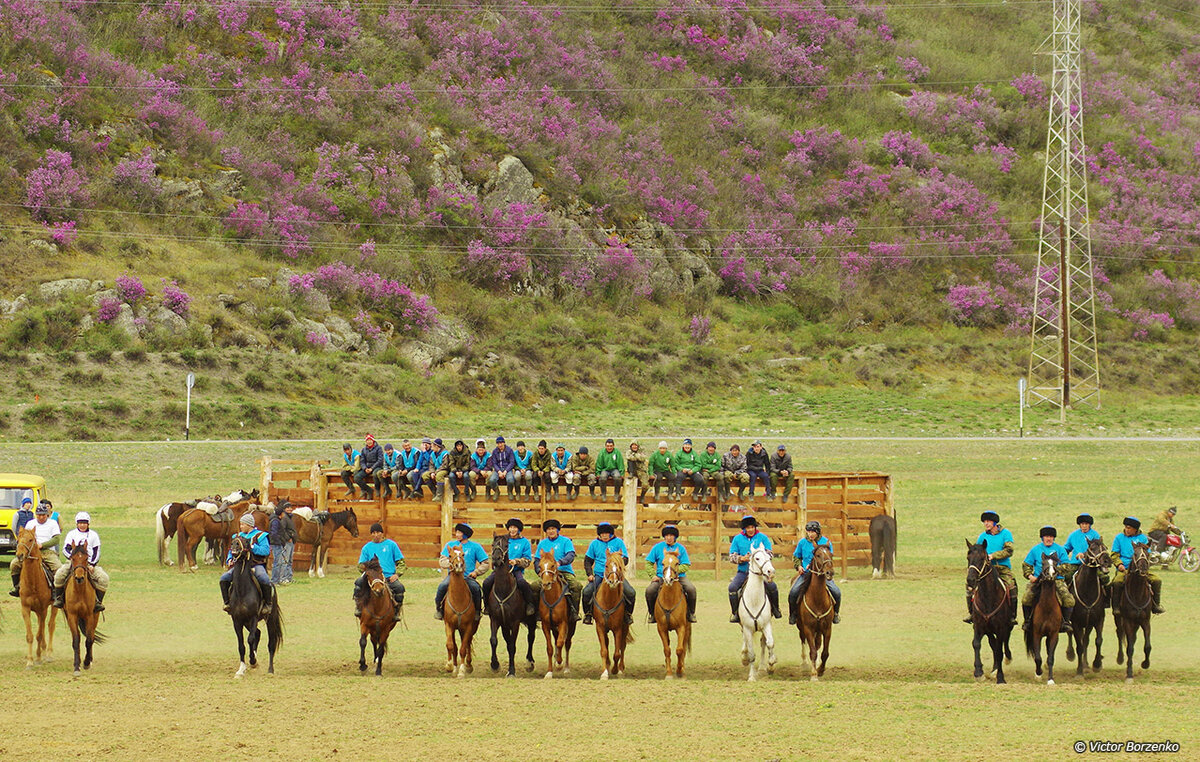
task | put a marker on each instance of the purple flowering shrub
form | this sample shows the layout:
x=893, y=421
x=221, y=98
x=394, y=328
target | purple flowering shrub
x=339, y=281
x=107, y=310
x=176, y=299
x=130, y=288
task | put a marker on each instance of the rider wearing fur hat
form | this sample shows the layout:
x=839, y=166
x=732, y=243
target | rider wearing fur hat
x=475, y=562
x=740, y=549
x=520, y=558
x=999, y=544
x=801, y=559
x=595, y=560
x=1077, y=543
x=1122, y=557
x=1032, y=569
x=563, y=551
x=654, y=565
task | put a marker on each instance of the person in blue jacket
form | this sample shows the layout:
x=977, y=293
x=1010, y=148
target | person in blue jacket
x=559, y=462
x=595, y=561
x=350, y=460
x=260, y=550
x=391, y=563
x=1077, y=543
x=438, y=459
x=802, y=558
x=740, y=548
x=503, y=468
x=481, y=469
x=1122, y=556
x=1032, y=569
x=1000, y=547
x=654, y=564
x=385, y=472
x=475, y=562
x=522, y=470
x=520, y=558
x=563, y=550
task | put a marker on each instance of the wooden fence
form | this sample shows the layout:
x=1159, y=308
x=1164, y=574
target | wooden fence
x=844, y=503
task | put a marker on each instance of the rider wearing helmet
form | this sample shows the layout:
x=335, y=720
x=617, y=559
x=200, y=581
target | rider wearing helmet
x=801, y=559
x=740, y=549
x=1122, y=556
x=1163, y=523
x=82, y=535
x=999, y=543
x=595, y=561
x=1032, y=569
x=47, y=532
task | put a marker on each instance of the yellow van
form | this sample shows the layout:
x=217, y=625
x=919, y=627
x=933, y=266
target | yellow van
x=13, y=489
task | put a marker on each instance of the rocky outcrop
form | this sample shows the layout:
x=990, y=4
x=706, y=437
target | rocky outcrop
x=57, y=289
x=512, y=183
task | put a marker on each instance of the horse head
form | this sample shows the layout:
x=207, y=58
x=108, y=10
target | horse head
x=374, y=573
x=79, y=562
x=670, y=567
x=547, y=569
x=614, y=568
x=1049, y=568
x=239, y=548
x=352, y=522
x=26, y=544
x=1095, y=555
x=1140, y=565
x=979, y=565
x=822, y=562
x=236, y=496
x=761, y=564
x=499, y=550
x=458, y=563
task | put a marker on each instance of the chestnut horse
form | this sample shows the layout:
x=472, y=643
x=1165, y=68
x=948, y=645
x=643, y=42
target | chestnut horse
x=458, y=615
x=1131, y=611
x=319, y=534
x=557, y=623
x=608, y=610
x=35, y=597
x=670, y=613
x=991, y=607
x=1047, y=618
x=197, y=523
x=1090, y=605
x=378, y=617
x=80, y=605
x=816, y=612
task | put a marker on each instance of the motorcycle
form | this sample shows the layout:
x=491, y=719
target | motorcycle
x=1177, y=546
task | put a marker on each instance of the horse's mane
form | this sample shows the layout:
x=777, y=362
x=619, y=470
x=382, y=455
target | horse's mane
x=373, y=565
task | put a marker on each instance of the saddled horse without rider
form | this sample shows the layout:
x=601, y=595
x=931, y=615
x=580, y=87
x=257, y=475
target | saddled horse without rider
x=815, y=619
x=754, y=611
x=991, y=607
x=506, y=608
x=246, y=609
x=1091, y=603
x=319, y=534
x=80, y=606
x=197, y=523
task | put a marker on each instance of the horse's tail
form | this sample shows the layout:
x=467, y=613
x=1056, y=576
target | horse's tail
x=1030, y=636
x=160, y=535
x=274, y=627
x=181, y=541
x=99, y=637
x=687, y=638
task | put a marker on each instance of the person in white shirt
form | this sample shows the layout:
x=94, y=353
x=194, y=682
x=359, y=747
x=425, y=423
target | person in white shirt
x=81, y=534
x=47, y=532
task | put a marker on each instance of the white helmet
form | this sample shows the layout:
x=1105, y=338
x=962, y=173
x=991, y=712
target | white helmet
x=83, y=516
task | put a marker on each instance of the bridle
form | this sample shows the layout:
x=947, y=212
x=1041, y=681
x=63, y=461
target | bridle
x=985, y=568
x=1091, y=559
x=549, y=576
x=614, y=571
x=1139, y=566
x=759, y=569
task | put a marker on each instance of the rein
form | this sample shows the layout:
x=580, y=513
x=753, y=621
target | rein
x=562, y=593
x=1075, y=585
x=1140, y=570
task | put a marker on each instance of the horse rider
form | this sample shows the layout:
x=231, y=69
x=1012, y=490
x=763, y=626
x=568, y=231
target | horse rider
x=260, y=550
x=595, y=564
x=654, y=564
x=740, y=548
x=802, y=558
x=391, y=563
x=564, y=553
x=475, y=561
x=1031, y=567
x=999, y=544
x=1163, y=523
x=520, y=557
x=1122, y=556
x=46, y=532
x=1077, y=543
x=81, y=534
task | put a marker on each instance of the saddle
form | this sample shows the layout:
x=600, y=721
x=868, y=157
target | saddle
x=219, y=513
x=303, y=511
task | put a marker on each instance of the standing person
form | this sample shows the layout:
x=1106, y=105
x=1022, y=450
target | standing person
x=636, y=468
x=781, y=473
x=710, y=468
x=520, y=558
x=1122, y=556
x=563, y=551
x=801, y=559
x=260, y=548
x=558, y=468
x=475, y=562
x=276, y=540
x=24, y=514
x=350, y=465
x=662, y=470
x=523, y=468
x=654, y=560
x=289, y=546
x=999, y=544
x=391, y=564
x=581, y=468
x=541, y=463
x=408, y=458
x=739, y=554
x=1032, y=568
x=416, y=475
x=733, y=464
x=758, y=466
x=383, y=476
x=438, y=470
x=595, y=563
x=503, y=465
x=481, y=469
x=371, y=461
x=458, y=468
x=82, y=535
x=46, y=531
x=609, y=465
x=687, y=469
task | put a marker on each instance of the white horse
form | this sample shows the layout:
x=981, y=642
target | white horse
x=755, y=613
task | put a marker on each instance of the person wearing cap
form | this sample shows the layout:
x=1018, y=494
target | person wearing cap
x=687, y=469
x=1031, y=567
x=475, y=563
x=609, y=465
x=260, y=548
x=781, y=473
x=662, y=470
x=371, y=460
x=350, y=466
x=758, y=466
x=563, y=551
x=1077, y=543
x=386, y=470
x=46, y=531
x=558, y=467
x=438, y=469
x=1122, y=556
x=416, y=475
x=581, y=468
x=802, y=558
x=407, y=459
x=654, y=561
x=83, y=536
x=636, y=467
x=710, y=469
x=520, y=558
x=595, y=562
x=733, y=464
x=481, y=469
x=523, y=468
x=458, y=468
x=1163, y=523
x=999, y=544
x=503, y=468
x=24, y=513
x=391, y=563
x=740, y=548
x=540, y=464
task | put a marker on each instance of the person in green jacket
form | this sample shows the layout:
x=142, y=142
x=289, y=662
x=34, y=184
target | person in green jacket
x=635, y=468
x=540, y=465
x=609, y=465
x=662, y=470
x=687, y=468
x=710, y=468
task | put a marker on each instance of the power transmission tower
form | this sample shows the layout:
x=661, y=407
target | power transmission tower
x=1064, y=365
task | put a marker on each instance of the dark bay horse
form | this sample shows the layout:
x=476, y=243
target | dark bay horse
x=506, y=608
x=1090, y=605
x=319, y=534
x=670, y=613
x=815, y=621
x=557, y=623
x=1047, y=618
x=990, y=610
x=1131, y=611
x=883, y=546
x=79, y=606
x=35, y=598
x=378, y=617
x=195, y=524
x=245, y=609
x=458, y=615
x=608, y=610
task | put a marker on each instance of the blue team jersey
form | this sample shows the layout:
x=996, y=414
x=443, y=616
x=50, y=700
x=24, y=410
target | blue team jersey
x=560, y=546
x=519, y=547
x=561, y=463
x=1123, y=544
x=598, y=551
x=523, y=462
x=805, y=549
x=387, y=551
x=742, y=545
x=995, y=543
x=473, y=554
x=259, y=543
x=1077, y=542
x=1034, y=556
x=655, y=556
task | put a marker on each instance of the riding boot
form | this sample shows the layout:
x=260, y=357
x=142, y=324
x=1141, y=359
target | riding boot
x=268, y=599
x=528, y=489
x=1028, y=611
x=225, y=593
x=16, y=579
x=1156, y=588
x=399, y=609
x=773, y=597
x=1012, y=608
x=587, y=607
x=837, y=610
x=791, y=613
x=650, y=609
x=437, y=610
x=60, y=594
x=99, y=600
x=438, y=493
x=970, y=611
x=734, y=599
x=470, y=490
x=1066, y=619
x=691, y=609
x=741, y=491
x=655, y=500
x=591, y=492
x=629, y=603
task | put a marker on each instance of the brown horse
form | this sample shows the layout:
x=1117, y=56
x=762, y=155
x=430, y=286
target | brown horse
x=991, y=607
x=459, y=617
x=80, y=605
x=35, y=597
x=558, y=626
x=166, y=523
x=1090, y=605
x=670, y=613
x=378, y=617
x=1131, y=611
x=319, y=534
x=196, y=524
x=1047, y=618
x=608, y=609
x=816, y=612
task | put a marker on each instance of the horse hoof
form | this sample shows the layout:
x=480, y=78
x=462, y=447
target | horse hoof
x=1049, y=682
x=813, y=679
x=1129, y=681
x=979, y=678
x=510, y=674
x=529, y=667
x=992, y=673
x=449, y=667
x=604, y=675
x=549, y=676
x=78, y=673
x=752, y=679
x=670, y=676
x=566, y=671
x=770, y=669
x=745, y=661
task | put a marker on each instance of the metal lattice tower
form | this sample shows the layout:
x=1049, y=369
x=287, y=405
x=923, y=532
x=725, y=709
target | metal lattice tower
x=1064, y=366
